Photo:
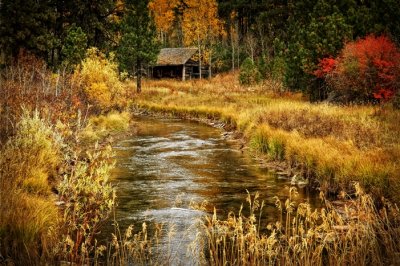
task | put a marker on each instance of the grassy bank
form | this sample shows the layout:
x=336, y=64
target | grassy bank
x=55, y=160
x=54, y=188
x=330, y=145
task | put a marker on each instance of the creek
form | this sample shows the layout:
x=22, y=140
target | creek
x=171, y=163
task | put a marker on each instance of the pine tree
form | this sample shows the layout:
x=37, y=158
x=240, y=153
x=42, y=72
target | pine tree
x=27, y=25
x=74, y=47
x=138, y=46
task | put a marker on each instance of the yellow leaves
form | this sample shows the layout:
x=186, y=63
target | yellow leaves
x=99, y=94
x=100, y=80
x=200, y=21
x=163, y=13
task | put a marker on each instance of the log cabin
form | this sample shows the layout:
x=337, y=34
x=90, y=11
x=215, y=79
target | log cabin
x=178, y=63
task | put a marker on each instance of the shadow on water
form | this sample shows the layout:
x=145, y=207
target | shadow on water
x=172, y=162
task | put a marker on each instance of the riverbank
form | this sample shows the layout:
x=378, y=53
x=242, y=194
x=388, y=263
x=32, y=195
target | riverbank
x=54, y=187
x=332, y=146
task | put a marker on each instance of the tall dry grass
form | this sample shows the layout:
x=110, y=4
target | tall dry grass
x=29, y=219
x=354, y=234
x=351, y=231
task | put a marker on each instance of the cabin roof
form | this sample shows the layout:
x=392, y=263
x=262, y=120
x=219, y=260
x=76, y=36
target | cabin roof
x=174, y=56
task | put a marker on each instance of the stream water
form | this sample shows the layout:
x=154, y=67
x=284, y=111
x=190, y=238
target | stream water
x=170, y=163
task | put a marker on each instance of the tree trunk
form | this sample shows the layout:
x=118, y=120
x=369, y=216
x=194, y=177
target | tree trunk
x=209, y=65
x=139, y=76
x=198, y=40
x=233, y=50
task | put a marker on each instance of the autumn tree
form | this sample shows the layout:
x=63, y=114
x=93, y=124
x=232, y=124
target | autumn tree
x=201, y=27
x=138, y=46
x=164, y=13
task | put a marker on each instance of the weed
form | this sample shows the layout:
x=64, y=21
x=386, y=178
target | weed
x=355, y=234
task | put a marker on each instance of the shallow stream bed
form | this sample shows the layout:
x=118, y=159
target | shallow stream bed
x=170, y=163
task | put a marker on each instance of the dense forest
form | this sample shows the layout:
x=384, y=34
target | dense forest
x=310, y=90
x=285, y=39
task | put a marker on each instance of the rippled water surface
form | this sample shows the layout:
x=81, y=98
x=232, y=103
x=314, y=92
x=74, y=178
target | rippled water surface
x=171, y=162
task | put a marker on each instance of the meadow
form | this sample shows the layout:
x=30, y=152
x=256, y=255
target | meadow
x=330, y=145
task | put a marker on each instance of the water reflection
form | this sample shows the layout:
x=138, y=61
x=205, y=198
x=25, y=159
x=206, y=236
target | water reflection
x=171, y=163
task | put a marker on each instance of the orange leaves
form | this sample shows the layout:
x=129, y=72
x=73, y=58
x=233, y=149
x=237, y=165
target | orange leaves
x=201, y=22
x=163, y=13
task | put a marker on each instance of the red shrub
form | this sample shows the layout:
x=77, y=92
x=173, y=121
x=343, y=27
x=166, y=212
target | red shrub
x=366, y=69
x=326, y=66
x=28, y=83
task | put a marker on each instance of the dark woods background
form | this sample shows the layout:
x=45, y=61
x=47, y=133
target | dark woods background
x=284, y=38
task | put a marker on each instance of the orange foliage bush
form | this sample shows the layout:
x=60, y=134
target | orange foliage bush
x=366, y=70
x=28, y=83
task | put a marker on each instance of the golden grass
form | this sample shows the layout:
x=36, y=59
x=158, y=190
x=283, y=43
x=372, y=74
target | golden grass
x=351, y=232
x=355, y=234
x=101, y=126
x=333, y=145
x=29, y=218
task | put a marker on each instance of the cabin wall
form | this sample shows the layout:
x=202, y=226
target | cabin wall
x=176, y=72
x=160, y=72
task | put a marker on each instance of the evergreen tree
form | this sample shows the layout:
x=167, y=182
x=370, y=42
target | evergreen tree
x=93, y=17
x=27, y=24
x=249, y=74
x=138, y=46
x=74, y=46
x=42, y=26
x=318, y=34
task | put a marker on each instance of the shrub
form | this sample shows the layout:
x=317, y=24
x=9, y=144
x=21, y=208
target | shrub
x=249, y=73
x=89, y=199
x=29, y=82
x=100, y=81
x=367, y=70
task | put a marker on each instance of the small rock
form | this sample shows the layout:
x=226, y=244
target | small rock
x=299, y=181
x=282, y=177
x=59, y=203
